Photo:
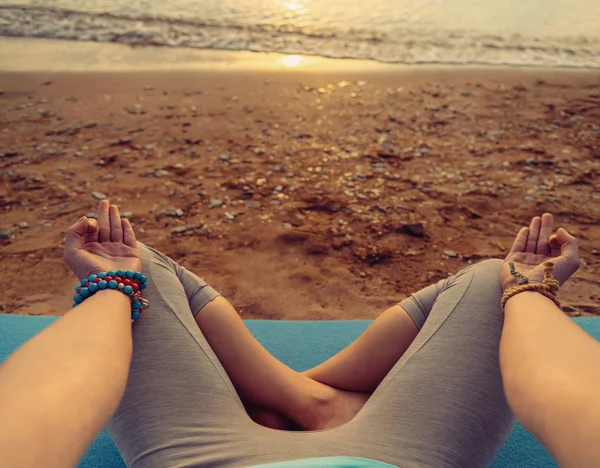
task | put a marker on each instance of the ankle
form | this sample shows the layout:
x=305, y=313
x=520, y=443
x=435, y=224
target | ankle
x=317, y=405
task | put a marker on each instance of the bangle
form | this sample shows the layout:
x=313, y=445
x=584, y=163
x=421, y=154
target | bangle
x=129, y=282
x=548, y=287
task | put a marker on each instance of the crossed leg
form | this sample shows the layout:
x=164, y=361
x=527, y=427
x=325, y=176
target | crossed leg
x=181, y=408
x=273, y=394
x=326, y=396
x=425, y=344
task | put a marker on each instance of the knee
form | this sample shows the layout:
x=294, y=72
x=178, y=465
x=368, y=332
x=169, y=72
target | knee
x=492, y=264
x=488, y=272
x=489, y=266
x=150, y=255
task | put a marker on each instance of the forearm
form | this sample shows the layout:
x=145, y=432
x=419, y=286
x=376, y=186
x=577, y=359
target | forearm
x=551, y=373
x=61, y=387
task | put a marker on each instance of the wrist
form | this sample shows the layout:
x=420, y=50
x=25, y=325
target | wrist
x=533, y=279
x=116, y=298
x=522, y=296
x=525, y=301
x=507, y=286
x=129, y=284
x=548, y=287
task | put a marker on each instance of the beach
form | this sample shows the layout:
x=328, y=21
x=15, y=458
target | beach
x=298, y=193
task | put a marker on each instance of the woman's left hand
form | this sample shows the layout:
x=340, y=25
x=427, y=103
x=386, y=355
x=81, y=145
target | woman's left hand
x=535, y=246
x=108, y=244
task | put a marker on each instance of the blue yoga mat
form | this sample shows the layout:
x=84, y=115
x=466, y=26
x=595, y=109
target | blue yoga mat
x=301, y=345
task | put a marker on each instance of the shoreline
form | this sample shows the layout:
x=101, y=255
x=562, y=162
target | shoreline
x=33, y=54
x=19, y=54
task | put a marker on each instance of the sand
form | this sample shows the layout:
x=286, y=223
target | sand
x=320, y=194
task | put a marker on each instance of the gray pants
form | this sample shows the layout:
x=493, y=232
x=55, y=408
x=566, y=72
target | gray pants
x=441, y=405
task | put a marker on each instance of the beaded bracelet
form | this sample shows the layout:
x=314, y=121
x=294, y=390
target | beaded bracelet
x=129, y=282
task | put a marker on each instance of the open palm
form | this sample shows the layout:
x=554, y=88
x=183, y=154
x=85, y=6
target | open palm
x=108, y=244
x=534, y=246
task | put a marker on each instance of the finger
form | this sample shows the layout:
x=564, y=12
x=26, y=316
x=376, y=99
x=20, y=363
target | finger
x=128, y=234
x=520, y=241
x=103, y=221
x=568, y=244
x=554, y=246
x=116, y=230
x=91, y=234
x=545, y=233
x=74, y=238
x=534, y=234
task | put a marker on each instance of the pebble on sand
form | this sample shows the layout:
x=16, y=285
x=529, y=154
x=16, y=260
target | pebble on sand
x=414, y=229
x=5, y=234
x=23, y=225
x=98, y=195
x=450, y=253
x=174, y=212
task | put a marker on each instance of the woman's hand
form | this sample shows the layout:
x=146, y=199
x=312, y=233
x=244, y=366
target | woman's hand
x=109, y=244
x=535, y=245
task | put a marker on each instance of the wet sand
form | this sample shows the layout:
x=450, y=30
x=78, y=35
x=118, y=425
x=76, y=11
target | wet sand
x=299, y=194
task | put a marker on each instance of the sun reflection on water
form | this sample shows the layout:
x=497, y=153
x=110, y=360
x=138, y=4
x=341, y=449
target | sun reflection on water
x=293, y=5
x=291, y=61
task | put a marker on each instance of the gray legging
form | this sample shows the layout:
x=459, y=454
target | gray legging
x=442, y=404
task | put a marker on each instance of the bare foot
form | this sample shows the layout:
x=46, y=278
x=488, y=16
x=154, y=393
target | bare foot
x=341, y=409
x=315, y=406
x=269, y=419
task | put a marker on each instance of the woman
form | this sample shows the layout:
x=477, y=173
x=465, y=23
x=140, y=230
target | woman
x=426, y=384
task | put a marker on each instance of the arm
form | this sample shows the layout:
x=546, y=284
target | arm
x=551, y=373
x=550, y=367
x=61, y=387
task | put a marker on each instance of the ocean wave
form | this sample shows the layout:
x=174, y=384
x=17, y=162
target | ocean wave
x=407, y=46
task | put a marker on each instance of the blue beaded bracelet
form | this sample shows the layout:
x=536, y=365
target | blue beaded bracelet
x=129, y=282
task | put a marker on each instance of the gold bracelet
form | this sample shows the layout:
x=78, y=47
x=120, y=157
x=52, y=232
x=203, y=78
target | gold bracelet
x=549, y=286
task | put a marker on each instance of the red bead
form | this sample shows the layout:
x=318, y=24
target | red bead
x=127, y=282
x=140, y=293
x=119, y=279
x=135, y=287
x=97, y=280
x=108, y=278
x=88, y=284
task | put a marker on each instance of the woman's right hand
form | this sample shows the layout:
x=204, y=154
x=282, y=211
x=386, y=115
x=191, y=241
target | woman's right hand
x=108, y=244
x=536, y=245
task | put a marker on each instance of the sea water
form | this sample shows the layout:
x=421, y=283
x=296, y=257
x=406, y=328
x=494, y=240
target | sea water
x=561, y=33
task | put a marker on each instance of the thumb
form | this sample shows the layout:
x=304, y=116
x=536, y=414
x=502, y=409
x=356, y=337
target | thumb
x=554, y=245
x=568, y=244
x=75, y=233
x=92, y=226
